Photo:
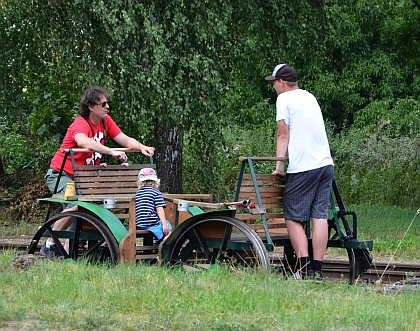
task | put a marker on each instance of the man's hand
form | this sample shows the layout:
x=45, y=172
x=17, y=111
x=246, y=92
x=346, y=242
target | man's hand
x=120, y=156
x=279, y=172
x=148, y=151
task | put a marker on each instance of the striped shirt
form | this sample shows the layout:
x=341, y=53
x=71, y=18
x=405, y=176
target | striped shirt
x=147, y=200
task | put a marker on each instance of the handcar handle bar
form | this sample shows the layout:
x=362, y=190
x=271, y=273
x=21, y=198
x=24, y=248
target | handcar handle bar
x=86, y=150
x=263, y=158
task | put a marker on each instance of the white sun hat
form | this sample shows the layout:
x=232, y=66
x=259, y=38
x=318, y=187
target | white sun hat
x=147, y=174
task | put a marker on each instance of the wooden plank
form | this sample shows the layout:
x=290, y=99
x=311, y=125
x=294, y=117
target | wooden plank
x=261, y=183
x=192, y=196
x=84, y=181
x=269, y=198
x=260, y=227
x=103, y=173
x=253, y=217
x=277, y=191
x=105, y=191
x=128, y=243
x=263, y=178
x=84, y=188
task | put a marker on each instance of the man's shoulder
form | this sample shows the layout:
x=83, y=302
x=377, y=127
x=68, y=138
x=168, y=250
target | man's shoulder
x=79, y=121
x=109, y=121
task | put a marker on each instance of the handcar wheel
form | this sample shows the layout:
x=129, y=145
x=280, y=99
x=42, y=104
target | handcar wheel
x=222, y=240
x=89, y=237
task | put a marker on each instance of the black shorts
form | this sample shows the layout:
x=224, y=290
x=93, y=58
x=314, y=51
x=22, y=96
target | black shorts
x=306, y=194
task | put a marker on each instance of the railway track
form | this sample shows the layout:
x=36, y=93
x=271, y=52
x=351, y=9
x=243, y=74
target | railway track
x=333, y=269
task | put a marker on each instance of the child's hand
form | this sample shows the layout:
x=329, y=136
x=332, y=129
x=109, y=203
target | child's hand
x=166, y=230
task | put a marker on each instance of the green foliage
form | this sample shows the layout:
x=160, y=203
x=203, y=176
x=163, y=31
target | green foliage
x=20, y=150
x=400, y=32
x=13, y=148
x=196, y=68
x=392, y=119
x=377, y=169
x=377, y=159
x=53, y=111
x=237, y=141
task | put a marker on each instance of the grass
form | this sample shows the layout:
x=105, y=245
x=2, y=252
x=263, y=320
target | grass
x=60, y=296
x=395, y=231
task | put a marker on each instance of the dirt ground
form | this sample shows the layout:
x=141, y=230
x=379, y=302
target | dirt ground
x=19, y=194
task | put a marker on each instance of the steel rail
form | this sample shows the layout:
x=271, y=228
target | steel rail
x=386, y=272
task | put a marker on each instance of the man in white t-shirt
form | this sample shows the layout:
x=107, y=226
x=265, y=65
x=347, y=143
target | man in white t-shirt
x=301, y=133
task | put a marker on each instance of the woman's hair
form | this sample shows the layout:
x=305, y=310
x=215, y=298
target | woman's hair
x=150, y=183
x=90, y=98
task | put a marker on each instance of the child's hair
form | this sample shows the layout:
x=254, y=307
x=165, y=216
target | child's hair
x=150, y=183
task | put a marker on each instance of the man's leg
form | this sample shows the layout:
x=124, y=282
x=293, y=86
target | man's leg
x=298, y=238
x=319, y=238
x=63, y=224
x=319, y=214
x=51, y=178
x=299, y=242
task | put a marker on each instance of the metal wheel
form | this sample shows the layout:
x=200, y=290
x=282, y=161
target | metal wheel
x=220, y=240
x=89, y=238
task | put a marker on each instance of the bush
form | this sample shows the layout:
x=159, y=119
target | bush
x=376, y=169
x=259, y=141
x=21, y=149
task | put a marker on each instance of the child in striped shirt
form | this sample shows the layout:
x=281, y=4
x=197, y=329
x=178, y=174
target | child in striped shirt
x=150, y=213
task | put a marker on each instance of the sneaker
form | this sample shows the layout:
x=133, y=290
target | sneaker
x=315, y=275
x=52, y=252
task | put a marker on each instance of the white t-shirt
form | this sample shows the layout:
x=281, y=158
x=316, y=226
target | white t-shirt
x=308, y=147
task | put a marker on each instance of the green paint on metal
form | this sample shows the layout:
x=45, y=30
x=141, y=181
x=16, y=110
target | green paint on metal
x=114, y=224
x=195, y=210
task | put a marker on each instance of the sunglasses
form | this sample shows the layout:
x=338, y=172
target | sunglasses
x=103, y=104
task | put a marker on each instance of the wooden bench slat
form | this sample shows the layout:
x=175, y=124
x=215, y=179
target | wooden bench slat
x=104, y=173
x=103, y=179
x=120, y=184
x=277, y=191
x=252, y=218
x=271, y=189
x=105, y=191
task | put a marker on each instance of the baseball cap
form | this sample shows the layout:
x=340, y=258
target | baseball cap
x=147, y=174
x=283, y=71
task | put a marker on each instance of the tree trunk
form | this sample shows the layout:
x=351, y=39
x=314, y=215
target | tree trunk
x=169, y=157
x=1, y=167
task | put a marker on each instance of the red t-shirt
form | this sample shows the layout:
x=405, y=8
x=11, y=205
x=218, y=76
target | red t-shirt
x=96, y=132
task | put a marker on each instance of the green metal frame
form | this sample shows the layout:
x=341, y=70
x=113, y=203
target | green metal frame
x=341, y=242
x=114, y=224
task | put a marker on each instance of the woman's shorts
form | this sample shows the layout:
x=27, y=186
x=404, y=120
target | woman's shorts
x=51, y=178
x=306, y=194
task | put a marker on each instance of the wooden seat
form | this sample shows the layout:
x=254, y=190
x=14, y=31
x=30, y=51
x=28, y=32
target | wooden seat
x=270, y=205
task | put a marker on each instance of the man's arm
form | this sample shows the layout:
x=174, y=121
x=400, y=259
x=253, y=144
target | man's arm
x=123, y=140
x=282, y=142
x=84, y=141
